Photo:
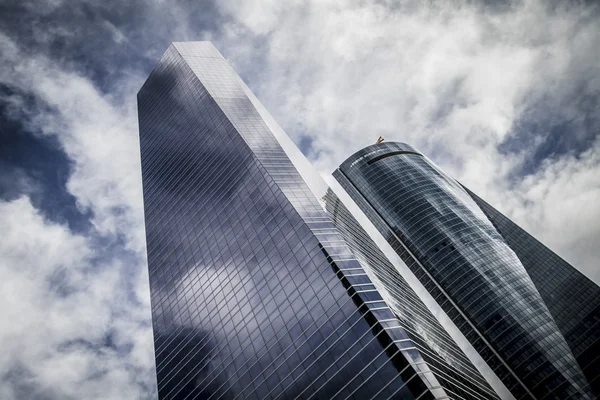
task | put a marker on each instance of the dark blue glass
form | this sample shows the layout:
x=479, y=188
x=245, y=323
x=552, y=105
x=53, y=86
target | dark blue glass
x=449, y=243
x=255, y=293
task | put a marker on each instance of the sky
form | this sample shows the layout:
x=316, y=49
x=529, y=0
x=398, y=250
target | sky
x=503, y=95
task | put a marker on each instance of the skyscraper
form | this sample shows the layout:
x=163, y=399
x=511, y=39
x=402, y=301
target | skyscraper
x=530, y=315
x=255, y=292
x=428, y=335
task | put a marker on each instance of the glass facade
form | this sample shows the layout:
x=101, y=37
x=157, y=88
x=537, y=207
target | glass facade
x=451, y=245
x=450, y=365
x=255, y=292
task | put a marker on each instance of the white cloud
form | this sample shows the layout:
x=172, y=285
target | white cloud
x=58, y=306
x=116, y=33
x=98, y=132
x=75, y=315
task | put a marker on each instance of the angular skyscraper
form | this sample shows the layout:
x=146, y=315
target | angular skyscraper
x=255, y=292
x=530, y=315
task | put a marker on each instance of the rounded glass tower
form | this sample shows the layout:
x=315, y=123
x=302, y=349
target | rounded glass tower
x=454, y=249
